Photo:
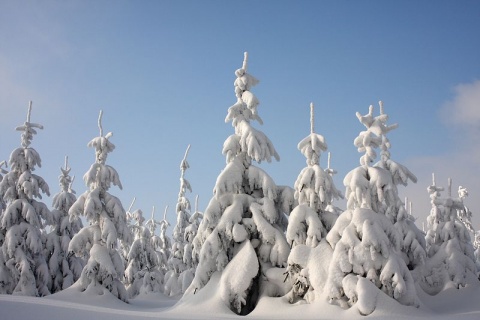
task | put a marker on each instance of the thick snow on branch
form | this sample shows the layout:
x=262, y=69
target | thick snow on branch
x=22, y=237
x=238, y=276
x=116, y=213
x=252, y=102
x=101, y=175
x=312, y=146
x=76, y=210
x=305, y=227
x=274, y=247
x=366, y=244
x=104, y=267
x=244, y=81
x=30, y=185
x=21, y=210
x=63, y=201
x=210, y=250
x=376, y=125
x=256, y=144
x=238, y=113
x=285, y=201
x=102, y=146
x=231, y=147
x=400, y=173
x=22, y=159
x=230, y=179
x=260, y=180
x=83, y=241
x=21, y=182
x=366, y=187
x=315, y=187
x=375, y=135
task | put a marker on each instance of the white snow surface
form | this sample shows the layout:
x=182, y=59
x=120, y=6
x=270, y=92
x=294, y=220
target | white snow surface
x=207, y=304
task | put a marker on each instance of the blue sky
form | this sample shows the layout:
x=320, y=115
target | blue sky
x=163, y=72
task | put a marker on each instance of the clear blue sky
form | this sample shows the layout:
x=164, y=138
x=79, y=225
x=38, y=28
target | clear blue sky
x=163, y=72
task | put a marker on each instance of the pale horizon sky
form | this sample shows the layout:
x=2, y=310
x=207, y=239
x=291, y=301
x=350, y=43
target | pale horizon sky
x=163, y=72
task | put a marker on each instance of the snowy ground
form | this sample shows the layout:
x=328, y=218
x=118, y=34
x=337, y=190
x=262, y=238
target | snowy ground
x=70, y=304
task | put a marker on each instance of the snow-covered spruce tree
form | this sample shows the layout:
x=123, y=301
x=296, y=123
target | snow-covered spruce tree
x=165, y=241
x=189, y=258
x=451, y=258
x=159, y=243
x=476, y=247
x=311, y=220
x=242, y=231
x=367, y=244
x=135, y=222
x=25, y=271
x=178, y=271
x=134, y=219
x=107, y=224
x=2, y=202
x=413, y=239
x=464, y=214
x=141, y=274
x=153, y=277
x=65, y=269
x=5, y=275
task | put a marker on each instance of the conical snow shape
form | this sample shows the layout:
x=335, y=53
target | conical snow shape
x=451, y=255
x=246, y=209
x=369, y=237
x=180, y=275
x=311, y=220
x=142, y=273
x=107, y=224
x=23, y=267
x=65, y=269
x=315, y=191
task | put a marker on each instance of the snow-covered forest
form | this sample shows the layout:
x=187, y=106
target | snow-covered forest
x=310, y=249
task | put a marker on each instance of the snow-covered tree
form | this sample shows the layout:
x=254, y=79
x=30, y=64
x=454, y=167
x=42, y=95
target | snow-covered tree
x=172, y=285
x=107, y=224
x=464, y=214
x=315, y=191
x=313, y=218
x=159, y=243
x=134, y=220
x=242, y=231
x=65, y=269
x=165, y=242
x=189, y=258
x=2, y=202
x=413, y=240
x=24, y=268
x=142, y=261
x=178, y=270
x=451, y=257
x=476, y=247
x=366, y=240
x=5, y=276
